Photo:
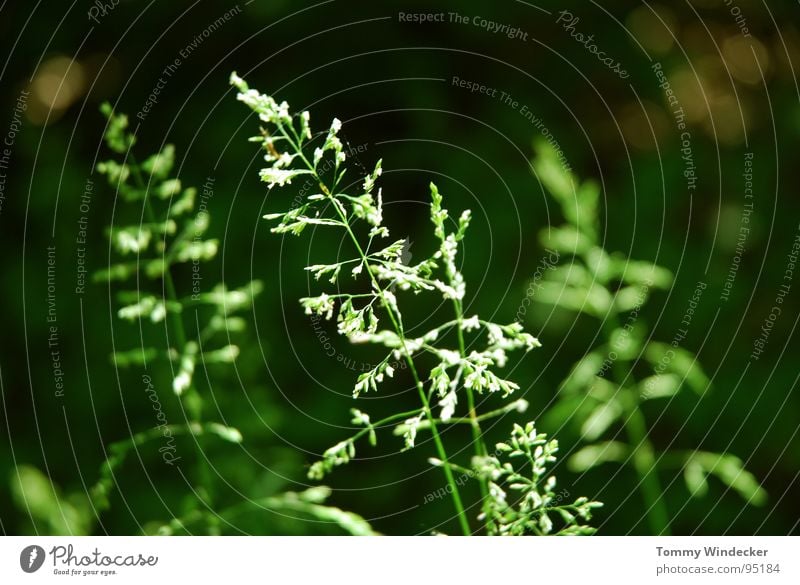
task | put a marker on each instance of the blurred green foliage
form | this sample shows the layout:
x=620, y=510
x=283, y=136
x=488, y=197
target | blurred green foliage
x=392, y=85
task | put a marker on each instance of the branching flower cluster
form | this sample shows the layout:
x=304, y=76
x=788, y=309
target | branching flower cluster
x=526, y=503
x=467, y=350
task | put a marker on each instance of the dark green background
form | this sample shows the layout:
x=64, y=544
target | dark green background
x=390, y=84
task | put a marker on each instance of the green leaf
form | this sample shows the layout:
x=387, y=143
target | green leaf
x=600, y=264
x=552, y=175
x=627, y=341
x=659, y=386
x=599, y=300
x=597, y=454
x=729, y=469
x=583, y=373
x=587, y=215
x=601, y=418
x=581, y=209
x=639, y=272
x=630, y=297
x=579, y=202
x=695, y=478
x=51, y=512
x=595, y=301
x=572, y=274
x=602, y=389
x=571, y=409
x=566, y=239
x=666, y=358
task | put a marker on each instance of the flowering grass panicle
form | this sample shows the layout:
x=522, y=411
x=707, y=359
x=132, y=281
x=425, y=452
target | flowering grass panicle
x=446, y=389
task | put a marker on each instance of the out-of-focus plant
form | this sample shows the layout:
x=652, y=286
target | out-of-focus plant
x=514, y=501
x=603, y=392
x=170, y=232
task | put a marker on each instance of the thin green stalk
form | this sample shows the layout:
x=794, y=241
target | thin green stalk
x=194, y=407
x=169, y=284
x=385, y=421
x=457, y=420
x=457, y=502
x=456, y=496
x=645, y=464
x=643, y=453
x=477, y=434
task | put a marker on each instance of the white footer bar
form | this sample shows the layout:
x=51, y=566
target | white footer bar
x=399, y=560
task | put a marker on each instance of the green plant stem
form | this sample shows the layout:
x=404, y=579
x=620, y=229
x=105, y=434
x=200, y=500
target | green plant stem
x=645, y=464
x=457, y=420
x=477, y=434
x=462, y=470
x=459, y=506
x=384, y=421
x=456, y=496
x=643, y=452
x=169, y=284
x=194, y=403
